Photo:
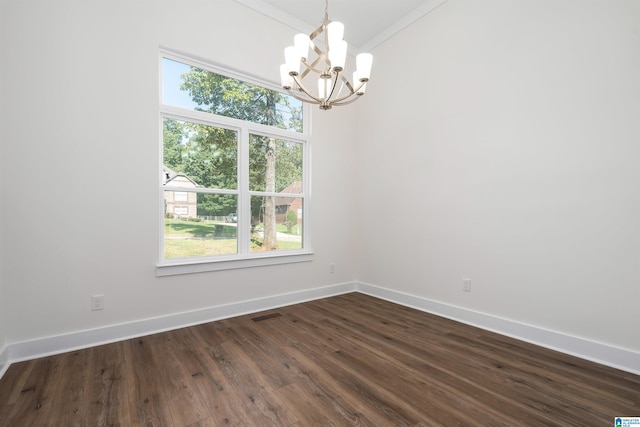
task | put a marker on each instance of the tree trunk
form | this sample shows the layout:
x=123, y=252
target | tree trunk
x=269, y=242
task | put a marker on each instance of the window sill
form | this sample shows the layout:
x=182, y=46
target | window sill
x=189, y=266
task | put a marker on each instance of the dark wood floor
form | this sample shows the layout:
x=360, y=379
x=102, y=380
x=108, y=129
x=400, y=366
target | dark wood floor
x=350, y=360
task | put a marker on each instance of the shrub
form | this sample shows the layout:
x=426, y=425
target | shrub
x=290, y=220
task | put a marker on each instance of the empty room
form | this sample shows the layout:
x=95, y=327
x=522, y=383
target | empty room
x=197, y=227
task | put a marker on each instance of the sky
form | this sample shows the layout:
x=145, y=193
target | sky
x=171, y=80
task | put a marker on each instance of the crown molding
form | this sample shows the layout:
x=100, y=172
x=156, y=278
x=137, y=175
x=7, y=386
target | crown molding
x=298, y=25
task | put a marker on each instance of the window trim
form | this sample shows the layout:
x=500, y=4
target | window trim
x=243, y=258
x=193, y=265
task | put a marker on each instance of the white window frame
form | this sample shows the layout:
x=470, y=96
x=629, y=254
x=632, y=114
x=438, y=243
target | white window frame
x=243, y=258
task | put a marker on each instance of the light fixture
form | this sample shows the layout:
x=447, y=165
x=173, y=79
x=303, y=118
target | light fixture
x=327, y=66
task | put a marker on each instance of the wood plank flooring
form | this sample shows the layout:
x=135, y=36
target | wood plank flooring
x=350, y=360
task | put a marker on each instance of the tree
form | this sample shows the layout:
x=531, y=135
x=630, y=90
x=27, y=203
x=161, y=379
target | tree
x=229, y=97
x=172, y=143
x=270, y=232
x=208, y=156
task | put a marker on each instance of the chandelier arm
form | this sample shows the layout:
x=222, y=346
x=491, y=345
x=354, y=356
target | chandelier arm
x=333, y=88
x=351, y=87
x=346, y=101
x=310, y=68
x=302, y=98
x=321, y=55
x=305, y=90
x=343, y=100
x=350, y=92
x=360, y=86
x=318, y=30
x=339, y=101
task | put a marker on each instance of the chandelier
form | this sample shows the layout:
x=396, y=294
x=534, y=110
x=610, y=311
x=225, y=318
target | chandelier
x=327, y=67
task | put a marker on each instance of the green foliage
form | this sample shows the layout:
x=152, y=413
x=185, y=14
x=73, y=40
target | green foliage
x=229, y=97
x=216, y=204
x=290, y=219
x=209, y=155
x=206, y=154
x=172, y=147
x=288, y=163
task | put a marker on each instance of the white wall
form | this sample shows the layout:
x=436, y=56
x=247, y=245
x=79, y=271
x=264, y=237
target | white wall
x=505, y=149
x=81, y=115
x=4, y=354
x=3, y=303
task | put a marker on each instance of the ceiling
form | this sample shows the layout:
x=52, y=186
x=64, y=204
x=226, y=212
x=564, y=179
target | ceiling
x=367, y=22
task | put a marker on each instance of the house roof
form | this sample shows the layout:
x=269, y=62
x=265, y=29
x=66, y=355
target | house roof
x=169, y=175
x=293, y=188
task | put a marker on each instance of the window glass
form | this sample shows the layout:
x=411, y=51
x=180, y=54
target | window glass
x=286, y=218
x=200, y=155
x=233, y=176
x=199, y=227
x=193, y=88
x=276, y=165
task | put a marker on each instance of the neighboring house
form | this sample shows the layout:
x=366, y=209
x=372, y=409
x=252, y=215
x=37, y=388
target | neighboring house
x=284, y=204
x=179, y=203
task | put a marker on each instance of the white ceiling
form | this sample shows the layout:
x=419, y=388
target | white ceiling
x=367, y=22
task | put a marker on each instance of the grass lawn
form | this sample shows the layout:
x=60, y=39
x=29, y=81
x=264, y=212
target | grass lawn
x=190, y=239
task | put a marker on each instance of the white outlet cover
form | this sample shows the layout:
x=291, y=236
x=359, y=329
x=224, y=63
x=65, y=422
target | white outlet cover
x=97, y=302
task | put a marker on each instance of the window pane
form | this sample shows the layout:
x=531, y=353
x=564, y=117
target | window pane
x=218, y=174
x=196, y=155
x=275, y=165
x=199, y=226
x=276, y=223
x=197, y=89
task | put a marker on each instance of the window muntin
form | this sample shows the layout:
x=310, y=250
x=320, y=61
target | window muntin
x=240, y=172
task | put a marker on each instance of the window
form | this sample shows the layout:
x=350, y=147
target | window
x=180, y=196
x=235, y=175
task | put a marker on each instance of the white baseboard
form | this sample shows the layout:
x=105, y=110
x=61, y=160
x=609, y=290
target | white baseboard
x=597, y=352
x=4, y=360
x=604, y=354
x=83, y=339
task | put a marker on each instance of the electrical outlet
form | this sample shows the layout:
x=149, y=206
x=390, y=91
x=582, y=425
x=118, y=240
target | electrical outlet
x=466, y=285
x=97, y=302
x=332, y=268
